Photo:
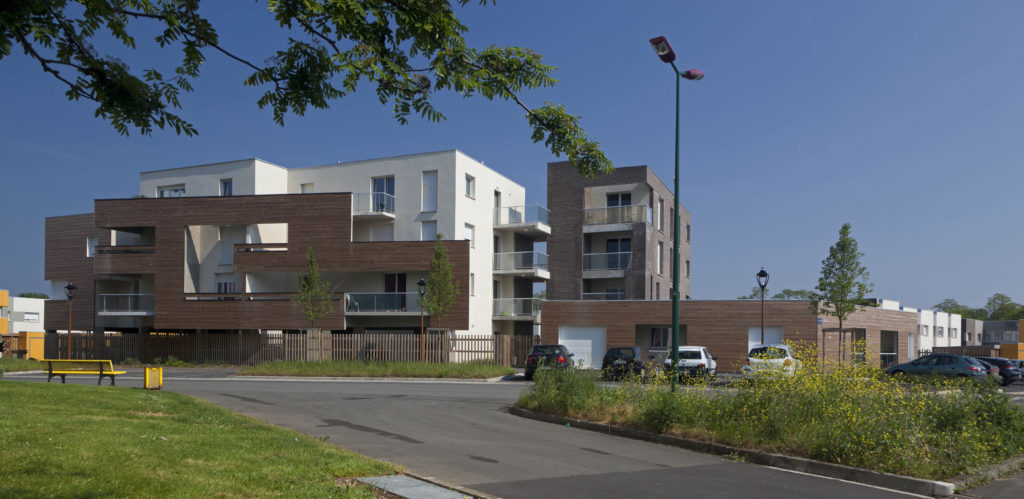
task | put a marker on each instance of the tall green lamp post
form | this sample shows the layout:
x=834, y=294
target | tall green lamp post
x=667, y=55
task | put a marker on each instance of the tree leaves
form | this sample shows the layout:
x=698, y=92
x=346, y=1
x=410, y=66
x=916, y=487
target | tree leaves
x=406, y=50
x=844, y=280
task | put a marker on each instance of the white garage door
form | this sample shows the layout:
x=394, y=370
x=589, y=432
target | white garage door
x=585, y=342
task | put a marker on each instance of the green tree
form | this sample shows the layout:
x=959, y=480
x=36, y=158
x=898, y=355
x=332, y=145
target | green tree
x=844, y=280
x=442, y=290
x=34, y=295
x=792, y=294
x=952, y=306
x=406, y=50
x=313, y=295
x=755, y=294
x=1001, y=307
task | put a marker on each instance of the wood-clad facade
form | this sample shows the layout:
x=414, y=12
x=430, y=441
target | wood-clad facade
x=723, y=326
x=322, y=222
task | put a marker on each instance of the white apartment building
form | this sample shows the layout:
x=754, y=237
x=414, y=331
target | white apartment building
x=934, y=329
x=405, y=198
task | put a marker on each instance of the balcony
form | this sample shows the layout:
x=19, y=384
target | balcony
x=531, y=220
x=393, y=304
x=607, y=295
x=530, y=264
x=124, y=260
x=135, y=305
x=516, y=309
x=616, y=218
x=373, y=206
x=606, y=265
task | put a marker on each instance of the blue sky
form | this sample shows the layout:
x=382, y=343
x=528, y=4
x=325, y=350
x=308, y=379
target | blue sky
x=902, y=118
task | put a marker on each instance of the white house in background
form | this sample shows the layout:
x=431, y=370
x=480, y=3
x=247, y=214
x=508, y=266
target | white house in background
x=934, y=328
x=25, y=315
x=403, y=198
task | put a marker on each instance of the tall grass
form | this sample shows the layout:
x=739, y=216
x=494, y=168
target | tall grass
x=349, y=368
x=11, y=364
x=853, y=415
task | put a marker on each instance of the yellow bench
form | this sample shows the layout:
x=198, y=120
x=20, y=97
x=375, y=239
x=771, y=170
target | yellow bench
x=64, y=367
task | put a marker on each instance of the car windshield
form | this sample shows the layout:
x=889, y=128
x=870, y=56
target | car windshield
x=545, y=350
x=620, y=352
x=974, y=362
x=768, y=353
x=689, y=355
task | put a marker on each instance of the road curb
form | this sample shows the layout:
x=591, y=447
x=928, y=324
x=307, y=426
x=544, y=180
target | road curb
x=468, y=492
x=885, y=480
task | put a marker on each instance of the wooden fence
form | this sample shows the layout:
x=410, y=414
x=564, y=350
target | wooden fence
x=969, y=350
x=246, y=348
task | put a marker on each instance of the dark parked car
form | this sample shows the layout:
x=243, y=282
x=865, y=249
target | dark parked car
x=1007, y=369
x=547, y=357
x=944, y=364
x=991, y=369
x=621, y=362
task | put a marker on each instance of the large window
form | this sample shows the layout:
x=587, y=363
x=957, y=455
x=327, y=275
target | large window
x=429, y=196
x=226, y=187
x=384, y=194
x=618, y=253
x=306, y=188
x=470, y=235
x=659, y=336
x=428, y=230
x=619, y=199
x=90, y=246
x=31, y=317
x=171, y=191
x=470, y=186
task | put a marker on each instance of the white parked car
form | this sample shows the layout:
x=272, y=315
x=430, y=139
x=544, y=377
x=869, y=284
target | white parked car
x=770, y=360
x=694, y=362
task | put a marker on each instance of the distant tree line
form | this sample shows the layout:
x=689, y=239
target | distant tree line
x=999, y=307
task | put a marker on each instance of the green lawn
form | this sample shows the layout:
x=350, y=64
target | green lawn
x=348, y=368
x=61, y=440
x=11, y=364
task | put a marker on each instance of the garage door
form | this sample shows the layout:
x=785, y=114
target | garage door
x=587, y=343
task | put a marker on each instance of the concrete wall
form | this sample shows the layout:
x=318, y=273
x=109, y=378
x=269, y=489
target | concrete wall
x=248, y=176
x=17, y=311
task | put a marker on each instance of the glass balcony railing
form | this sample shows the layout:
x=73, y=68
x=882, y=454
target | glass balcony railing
x=517, y=215
x=382, y=302
x=607, y=295
x=516, y=307
x=634, y=213
x=124, y=304
x=373, y=202
x=606, y=261
x=520, y=261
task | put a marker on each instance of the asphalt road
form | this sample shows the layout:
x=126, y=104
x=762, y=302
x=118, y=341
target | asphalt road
x=460, y=433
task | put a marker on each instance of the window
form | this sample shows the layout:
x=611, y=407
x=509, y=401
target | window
x=470, y=233
x=428, y=199
x=90, y=246
x=31, y=317
x=618, y=253
x=661, y=214
x=226, y=246
x=619, y=199
x=306, y=188
x=226, y=287
x=924, y=329
x=970, y=337
x=472, y=284
x=657, y=291
x=225, y=187
x=687, y=268
x=687, y=232
x=661, y=257
x=470, y=186
x=659, y=336
x=428, y=230
x=383, y=194
x=939, y=331
x=615, y=294
x=952, y=332
x=171, y=191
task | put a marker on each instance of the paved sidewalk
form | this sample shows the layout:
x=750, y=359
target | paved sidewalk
x=411, y=488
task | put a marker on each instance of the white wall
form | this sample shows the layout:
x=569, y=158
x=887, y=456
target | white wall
x=18, y=308
x=204, y=180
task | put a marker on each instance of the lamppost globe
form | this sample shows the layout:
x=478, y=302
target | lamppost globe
x=70, y=290
x=762, y=278
x=422, y=286
x=668, y=56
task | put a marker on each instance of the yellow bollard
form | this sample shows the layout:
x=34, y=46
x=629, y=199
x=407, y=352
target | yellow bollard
x=154, y=378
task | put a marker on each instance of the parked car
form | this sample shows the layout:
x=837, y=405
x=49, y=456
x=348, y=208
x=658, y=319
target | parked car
x=1007, y=369
x=770, y=360
x=991, y=369
x=694, y=362
x=621, y=362
x=943, y=364
x=547, y=357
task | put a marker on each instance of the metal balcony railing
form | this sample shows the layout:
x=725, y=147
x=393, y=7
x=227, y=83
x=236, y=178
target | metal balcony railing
x=382, y=302
x=373, y=202
x=607, y=295
x=634, y=213
x=606, y=261
x=124, y=304
x=520, y=261
x=516, y=307
x=518, y=215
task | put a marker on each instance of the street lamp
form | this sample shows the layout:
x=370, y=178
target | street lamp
x=422, y=287
x=762, y=280
x=667, y=55
x=69, y=291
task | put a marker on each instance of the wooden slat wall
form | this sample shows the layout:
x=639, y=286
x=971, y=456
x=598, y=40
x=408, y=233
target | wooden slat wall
x=65, y=260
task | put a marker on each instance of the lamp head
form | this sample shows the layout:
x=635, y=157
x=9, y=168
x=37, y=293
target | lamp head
x=422, y=285
x=692, y=74
x=663, y=49
x=70, y=290
x=762, y=278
